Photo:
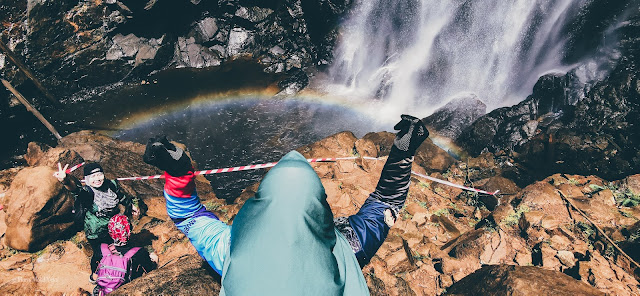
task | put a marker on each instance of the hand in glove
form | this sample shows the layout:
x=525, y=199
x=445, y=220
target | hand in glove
x=167, y=157
x=411, y=133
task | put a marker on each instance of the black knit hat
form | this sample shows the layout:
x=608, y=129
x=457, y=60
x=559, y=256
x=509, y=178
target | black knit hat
x=91, y=168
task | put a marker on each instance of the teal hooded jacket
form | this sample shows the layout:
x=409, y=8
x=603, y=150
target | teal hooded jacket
x=282, y=242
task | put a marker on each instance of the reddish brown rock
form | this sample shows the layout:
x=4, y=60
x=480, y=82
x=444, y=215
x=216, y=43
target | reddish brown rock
x=38, y=211
x=375, y=144
x=62, y=268
x=433, y=158
x=519, y=280
x=186, y=275
x=632, y=183
x=337, y=145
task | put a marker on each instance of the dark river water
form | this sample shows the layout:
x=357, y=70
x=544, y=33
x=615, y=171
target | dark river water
x=242, y=131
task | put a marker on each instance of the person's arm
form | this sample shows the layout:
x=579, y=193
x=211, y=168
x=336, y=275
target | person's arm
x=209, y=235
x=69, y=182
x=141, y=263
x=367, y=229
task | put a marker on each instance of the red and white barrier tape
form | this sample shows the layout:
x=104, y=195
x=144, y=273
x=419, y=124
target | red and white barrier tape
x=455, y=185
x=73, y=168
x=271, y=164
x=242, y=168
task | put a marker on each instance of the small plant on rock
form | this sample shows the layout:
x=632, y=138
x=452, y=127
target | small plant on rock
x=441, y=212
x=514, y=217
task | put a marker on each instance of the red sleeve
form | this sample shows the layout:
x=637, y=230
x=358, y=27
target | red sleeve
x=183, y=186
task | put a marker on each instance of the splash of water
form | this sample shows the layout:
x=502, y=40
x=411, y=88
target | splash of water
x=415, y=55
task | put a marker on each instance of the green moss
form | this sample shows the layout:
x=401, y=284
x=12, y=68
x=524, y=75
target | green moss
x=424, y=184
x=418, y=257
x=441, y=212
x=514, y=216
x=211, y=205
x=587, y=229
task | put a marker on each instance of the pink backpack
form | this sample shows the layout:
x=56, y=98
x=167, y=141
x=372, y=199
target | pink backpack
x=113, y=268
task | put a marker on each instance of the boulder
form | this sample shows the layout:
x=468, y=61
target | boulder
x=338, y=145
x=432, y=158
x=38, y=211
x=375, y=144
x=62, y=268
x=519, y=280
x=459, y=113
x=39, y=154
x=188, y=53
x=632, y=183
x=16, y=276
x=187, y=275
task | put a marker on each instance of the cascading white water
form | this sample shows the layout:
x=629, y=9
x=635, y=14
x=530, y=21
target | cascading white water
x=418, y=54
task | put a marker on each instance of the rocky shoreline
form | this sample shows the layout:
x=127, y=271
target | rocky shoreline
x=524, y=239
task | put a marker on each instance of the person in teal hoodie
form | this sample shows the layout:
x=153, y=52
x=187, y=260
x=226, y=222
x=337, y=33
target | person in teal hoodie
x=285, y=240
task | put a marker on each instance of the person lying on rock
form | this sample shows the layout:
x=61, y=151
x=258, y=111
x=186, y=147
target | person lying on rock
x=140, y=261
x=96, y=202
x=284, y=240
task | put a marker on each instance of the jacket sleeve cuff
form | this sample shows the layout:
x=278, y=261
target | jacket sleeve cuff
x=181, y=187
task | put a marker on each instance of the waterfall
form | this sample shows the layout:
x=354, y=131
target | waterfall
x=409, y=55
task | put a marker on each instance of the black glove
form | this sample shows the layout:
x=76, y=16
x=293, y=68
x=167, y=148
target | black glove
x=167, y=157
x=411, y=133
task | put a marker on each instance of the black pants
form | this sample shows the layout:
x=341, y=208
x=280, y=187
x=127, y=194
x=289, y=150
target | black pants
x=95, y=246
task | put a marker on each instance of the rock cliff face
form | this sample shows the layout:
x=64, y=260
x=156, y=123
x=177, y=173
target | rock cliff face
x=445, y=240
x=73, y=45
x=561, y=129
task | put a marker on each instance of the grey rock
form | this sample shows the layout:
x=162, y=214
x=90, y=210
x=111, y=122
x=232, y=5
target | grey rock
x=190, y=54
x=253, y=14
x=239, y=40
x=276, y=51
x=295, y=10
x=530, y=127
x=275, y=68
x=459, y=113
x=294, y=61
x=207, y=28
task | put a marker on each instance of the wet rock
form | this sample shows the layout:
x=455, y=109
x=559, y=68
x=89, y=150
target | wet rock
x=190, y=54
x=295, y=82
x=455, y=116
x=96, y=43
x=375, y=144
x=253, y=14
x=38, y=211
x=520, y=280
x=239, y=41
x=575, y=133
x=433, y=158
x=207, y=29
